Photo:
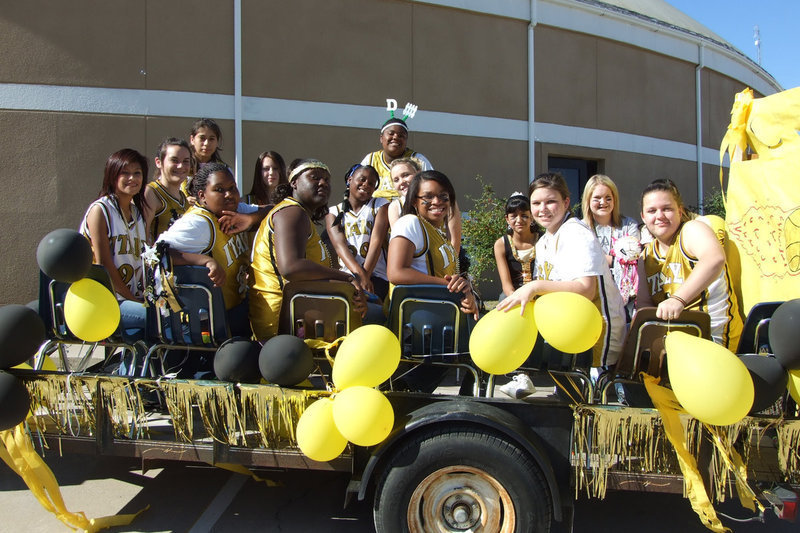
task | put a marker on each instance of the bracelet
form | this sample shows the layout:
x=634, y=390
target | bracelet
x=681, y=300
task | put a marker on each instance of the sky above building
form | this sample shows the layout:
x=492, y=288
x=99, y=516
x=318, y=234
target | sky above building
x=734, y=20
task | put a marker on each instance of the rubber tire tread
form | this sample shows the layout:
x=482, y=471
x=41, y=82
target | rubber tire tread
x=438, y=447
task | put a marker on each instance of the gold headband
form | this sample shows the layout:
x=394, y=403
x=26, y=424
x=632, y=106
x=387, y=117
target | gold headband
x=308, y=165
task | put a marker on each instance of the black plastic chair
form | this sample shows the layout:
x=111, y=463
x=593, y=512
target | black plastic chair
x=51, y=310
x=643, y=350
x=199, y=326
x=434, y=335
x=755, y=333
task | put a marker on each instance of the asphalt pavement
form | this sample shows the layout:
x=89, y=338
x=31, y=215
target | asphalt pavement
x=201, y=498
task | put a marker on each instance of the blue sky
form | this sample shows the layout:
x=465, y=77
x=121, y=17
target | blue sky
x=778, y=22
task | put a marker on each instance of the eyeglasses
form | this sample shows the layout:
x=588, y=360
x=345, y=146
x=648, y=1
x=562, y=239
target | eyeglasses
x=428, y=199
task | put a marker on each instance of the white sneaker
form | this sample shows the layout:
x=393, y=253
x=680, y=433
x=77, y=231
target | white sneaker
x=519, y=387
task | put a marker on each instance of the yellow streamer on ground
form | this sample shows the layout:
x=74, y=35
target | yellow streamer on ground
x=18, y=453
x=241, y=469
x=666, y=403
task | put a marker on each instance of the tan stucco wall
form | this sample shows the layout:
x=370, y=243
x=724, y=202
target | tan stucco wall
x=348, y=51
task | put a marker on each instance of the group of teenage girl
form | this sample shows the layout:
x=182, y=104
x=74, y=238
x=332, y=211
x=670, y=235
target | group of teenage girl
x=253, y=246
x=674, y=262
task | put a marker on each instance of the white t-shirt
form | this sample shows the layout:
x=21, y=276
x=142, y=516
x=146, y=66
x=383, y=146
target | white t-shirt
x=192, y=233
x=574, y=252
x=358, y=230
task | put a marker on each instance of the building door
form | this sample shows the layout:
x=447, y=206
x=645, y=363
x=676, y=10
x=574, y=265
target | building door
x=576, y=172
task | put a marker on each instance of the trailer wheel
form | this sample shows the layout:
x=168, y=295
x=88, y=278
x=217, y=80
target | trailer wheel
x=461, y=479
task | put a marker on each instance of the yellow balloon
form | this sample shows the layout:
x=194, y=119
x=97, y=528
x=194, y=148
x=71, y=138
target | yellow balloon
x=568, y=321
x=317, y=435
x=91, y=311
x=47, y=364
x=794, y=385
x=368, y=356
x=363, y=415
x=501, y=341
x=710, y=382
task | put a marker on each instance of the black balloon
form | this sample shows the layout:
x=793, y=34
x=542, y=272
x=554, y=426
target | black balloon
x=14, y=401
x=237, y=360
x=286, y=360
x=784, y=334
x=769, y=379
x=21, y=334
x=64, y=255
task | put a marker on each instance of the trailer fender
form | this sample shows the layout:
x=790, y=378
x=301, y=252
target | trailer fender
x=472, y=412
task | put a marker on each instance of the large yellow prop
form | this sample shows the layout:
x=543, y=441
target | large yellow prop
x=363, y=415
x=501, y=342
x=317, y=435
x=710, y=382
x=90, y=310
x=568, y=321
x=762, y=197
x=368, y=356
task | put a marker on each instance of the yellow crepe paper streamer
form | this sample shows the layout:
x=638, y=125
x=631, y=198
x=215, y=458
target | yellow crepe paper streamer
x=18, y=453
x=241, y=469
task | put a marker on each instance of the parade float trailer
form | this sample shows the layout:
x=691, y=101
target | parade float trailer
x=433, y=459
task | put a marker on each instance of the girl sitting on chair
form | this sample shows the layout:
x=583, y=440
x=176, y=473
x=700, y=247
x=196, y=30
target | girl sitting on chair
x=198, y=239
x=419, y=250
x=683, y=267
x=287, y=246
x=115, y=225
x=358, y=228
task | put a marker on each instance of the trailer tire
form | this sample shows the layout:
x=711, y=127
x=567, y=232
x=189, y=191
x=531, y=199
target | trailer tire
x=451, y=479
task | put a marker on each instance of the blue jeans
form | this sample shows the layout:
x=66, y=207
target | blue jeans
x=133, y=316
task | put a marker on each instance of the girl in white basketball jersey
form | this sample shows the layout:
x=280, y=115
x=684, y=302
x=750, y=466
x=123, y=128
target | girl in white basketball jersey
x=115, y=225
x=569, y=259
x=358, y=227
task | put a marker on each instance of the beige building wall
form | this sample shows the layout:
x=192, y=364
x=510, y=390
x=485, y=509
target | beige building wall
x=457, y=65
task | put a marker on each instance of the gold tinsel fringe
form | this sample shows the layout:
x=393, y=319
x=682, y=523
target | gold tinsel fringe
x=789, y=449
x=275, y=411
x=610, y=438
x=216, y=405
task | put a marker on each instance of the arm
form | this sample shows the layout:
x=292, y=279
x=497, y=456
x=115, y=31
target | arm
x=585, y=286
x=343, y=251
x=101, y=247
x=454, y=227
x=154, y=203
x=215, y=271
x=398, y=265
x=394, y=214
x=377, y=238
x=502, y=267
x=292, y=227
x=400, y=272
x=699, y=241
x=232, y=222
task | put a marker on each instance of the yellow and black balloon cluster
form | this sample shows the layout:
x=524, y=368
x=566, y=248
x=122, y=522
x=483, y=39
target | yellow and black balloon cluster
x=720, y=388
x=357, y=411
x=91, y=310
x=21, y=334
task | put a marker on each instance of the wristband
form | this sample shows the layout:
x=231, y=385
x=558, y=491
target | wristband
x=681, y=300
